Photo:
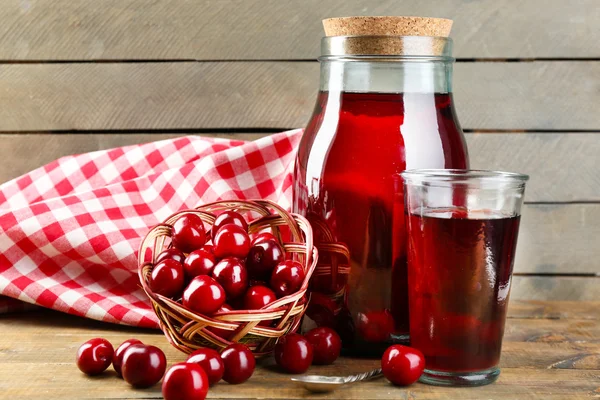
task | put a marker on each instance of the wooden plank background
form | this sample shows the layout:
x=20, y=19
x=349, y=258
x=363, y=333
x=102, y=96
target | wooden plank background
x=280, y=29
x=77, y=76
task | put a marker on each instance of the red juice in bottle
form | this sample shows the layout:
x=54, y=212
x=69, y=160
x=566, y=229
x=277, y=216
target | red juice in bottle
x=346, y=182
x=459, y=283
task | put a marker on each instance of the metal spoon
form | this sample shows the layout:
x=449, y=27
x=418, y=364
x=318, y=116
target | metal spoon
x=323, y=384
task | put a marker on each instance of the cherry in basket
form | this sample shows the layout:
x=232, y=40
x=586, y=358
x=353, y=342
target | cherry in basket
x=203, y=295
x=231, y=274
x=188, y=233
x=287, y=278
x=231, y=241
x=226, y=218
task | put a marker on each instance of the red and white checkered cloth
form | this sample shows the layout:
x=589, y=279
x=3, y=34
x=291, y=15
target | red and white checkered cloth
x=69, y=231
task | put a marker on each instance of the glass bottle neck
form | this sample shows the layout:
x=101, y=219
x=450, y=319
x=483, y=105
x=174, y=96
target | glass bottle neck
x=401, y=76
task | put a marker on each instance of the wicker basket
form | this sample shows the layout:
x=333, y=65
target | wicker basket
x=188, y=330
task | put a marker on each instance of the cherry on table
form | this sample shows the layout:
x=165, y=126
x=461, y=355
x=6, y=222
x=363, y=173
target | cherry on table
x=94, y=356
x=167, y=278
x=185, y=381
x=326, y=344
x=188, y=233
x=293, y=353
x=143, y=366
x=199, y=262
x=239, y=363
x=228, y=217
x=231, y=274
x=171, y=254
x=263, y=257
x=263, y=237
x=231, y=241
x=117, y=360
x=375, y=326
x=402, y=365
x=211, y=363
x=203, y=295
x=287, y=278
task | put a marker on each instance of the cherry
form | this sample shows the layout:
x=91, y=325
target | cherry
x=231, y=274
x=224, y=333
x=231, y=241
x=402, y=365
x=293, y=353
x=375, y=326
x=228, y=217
x=209, y=248
x=199, y=262
x=94, y=356
x=264, y=237
x=188, y=233
x=203, y=295
x=167, y=278
x=239, y=363
x=143, y=366
x=326, y=344
x=171, y=254
x=117, y=360
x=287, y=278
x=257, y=297
x=185, y=381
x=211, y=363
x=263, y=257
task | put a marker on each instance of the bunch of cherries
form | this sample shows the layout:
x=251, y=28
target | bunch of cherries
x=225, y=272
x=143, y=366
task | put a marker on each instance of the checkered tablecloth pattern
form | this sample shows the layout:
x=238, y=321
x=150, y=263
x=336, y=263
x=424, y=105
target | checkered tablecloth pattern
x=69, y=231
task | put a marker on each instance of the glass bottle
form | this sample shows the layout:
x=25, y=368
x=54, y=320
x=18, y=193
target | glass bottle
x=376, y=115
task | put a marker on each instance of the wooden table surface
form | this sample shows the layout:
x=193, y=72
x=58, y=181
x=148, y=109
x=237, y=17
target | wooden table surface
x=551, y=351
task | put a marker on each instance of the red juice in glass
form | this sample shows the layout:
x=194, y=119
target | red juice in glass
x=460, y=261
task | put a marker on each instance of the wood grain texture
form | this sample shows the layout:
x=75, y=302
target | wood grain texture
x=535, y=95
x=279, y=29
x=530, y=369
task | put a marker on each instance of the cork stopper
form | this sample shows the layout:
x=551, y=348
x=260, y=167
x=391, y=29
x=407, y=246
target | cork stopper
x=387, y=26
x=404, y=36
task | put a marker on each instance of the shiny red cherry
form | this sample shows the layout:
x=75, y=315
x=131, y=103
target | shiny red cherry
x=117, y=360
x=375, y=326
x=185, y=381
x=199, y=262
x=257, y=297
x=231, y=241
x=171, y=254
x=224, y=333
x=326, y=344
x=402, y=365
x=167, y=278
x=263, y=237
x=239, y=363
x=226, y=218
x=211, y=363
x=231, y=274
x=287, y=278
x=94, y=356
x=293, y=353
x=143, y=366
x=209, y=248
x=203, y=295
x=188, y=233
x=263, y=257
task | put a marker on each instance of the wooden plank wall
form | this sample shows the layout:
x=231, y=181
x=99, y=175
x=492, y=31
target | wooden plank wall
x=79, y=75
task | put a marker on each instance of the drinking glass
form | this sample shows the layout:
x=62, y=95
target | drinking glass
x=462, y=228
